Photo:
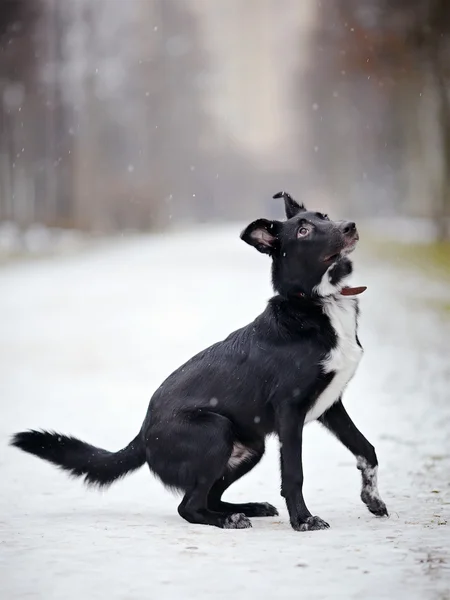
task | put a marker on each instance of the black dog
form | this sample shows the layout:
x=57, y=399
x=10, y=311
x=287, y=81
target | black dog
x=206, y=425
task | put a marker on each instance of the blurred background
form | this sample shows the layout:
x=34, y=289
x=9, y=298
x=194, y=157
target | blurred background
x=143, y=114
x=137, y=137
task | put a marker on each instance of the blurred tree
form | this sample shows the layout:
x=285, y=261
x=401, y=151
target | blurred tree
x=35, y=181
x=182, y=122
x=15, y=15
x=412, y=35
x=17, y=18
x=141, y=151
x=381, y=114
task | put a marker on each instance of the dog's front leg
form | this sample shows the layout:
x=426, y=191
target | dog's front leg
x=337, y=420
x=290, y=432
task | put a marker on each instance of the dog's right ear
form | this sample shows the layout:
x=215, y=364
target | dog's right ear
x=262, y=234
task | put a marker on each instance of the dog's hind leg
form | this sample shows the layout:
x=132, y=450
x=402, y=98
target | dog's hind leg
x=241, y=462
x=206, y=455
x=193, y=509
x=340, y=424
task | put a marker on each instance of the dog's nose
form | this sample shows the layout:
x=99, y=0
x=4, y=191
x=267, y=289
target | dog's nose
x=349, y=227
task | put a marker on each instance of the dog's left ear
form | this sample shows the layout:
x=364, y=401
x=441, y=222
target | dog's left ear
x=291, y=206
x=262, y=234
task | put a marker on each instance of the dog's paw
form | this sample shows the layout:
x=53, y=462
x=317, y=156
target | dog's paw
x=260, y=509
x=311, y=524
x=375, y=504
x=237, y=521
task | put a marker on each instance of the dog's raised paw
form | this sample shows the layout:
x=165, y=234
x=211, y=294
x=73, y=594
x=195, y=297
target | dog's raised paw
x=237, y=521
x=376, y=506
x=311, y=524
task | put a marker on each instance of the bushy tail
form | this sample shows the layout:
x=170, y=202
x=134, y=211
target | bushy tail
x=98, y=467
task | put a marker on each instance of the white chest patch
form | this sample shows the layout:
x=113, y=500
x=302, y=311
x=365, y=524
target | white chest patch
x=344, y=358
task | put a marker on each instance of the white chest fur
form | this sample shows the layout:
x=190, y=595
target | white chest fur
x=344, y=358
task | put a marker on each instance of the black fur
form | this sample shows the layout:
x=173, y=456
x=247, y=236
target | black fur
x=98, y=467
x=206, y=424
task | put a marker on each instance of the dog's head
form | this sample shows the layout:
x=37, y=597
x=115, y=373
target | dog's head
x=309, y=251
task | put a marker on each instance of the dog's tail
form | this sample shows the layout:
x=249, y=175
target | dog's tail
x=98, y=467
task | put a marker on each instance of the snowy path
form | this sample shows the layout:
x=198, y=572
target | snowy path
x=83, y=342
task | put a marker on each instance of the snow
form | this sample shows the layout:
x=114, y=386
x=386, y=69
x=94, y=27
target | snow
x=84, y=341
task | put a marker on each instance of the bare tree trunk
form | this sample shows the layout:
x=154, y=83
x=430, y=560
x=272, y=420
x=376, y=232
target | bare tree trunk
x=442, y=214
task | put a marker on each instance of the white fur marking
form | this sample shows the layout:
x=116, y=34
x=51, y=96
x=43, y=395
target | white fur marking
x=325, y=287
x=370, y=479
x=239, y=454
x=344, y=358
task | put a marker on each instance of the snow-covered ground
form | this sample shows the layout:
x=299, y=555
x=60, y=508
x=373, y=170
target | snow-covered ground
x=83, y=342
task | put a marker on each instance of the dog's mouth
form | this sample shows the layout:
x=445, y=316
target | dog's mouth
x=349, y=244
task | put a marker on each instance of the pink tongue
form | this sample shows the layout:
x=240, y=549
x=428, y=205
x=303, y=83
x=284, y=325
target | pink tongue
x=353, y=291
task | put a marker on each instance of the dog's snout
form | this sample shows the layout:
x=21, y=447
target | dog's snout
x=349, y=227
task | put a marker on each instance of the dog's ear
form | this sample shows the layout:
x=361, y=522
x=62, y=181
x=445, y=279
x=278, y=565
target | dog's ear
x=262, y=234
x=291, y=206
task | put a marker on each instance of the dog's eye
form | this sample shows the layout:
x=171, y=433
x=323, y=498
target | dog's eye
x=322, y=216
x=302, y=232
